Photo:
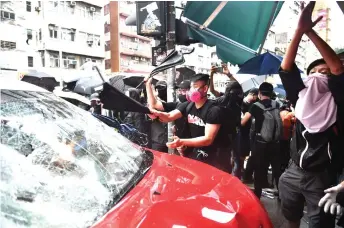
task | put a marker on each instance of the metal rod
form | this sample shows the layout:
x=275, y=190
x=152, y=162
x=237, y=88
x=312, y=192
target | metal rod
x=273, y=13
x=221, y=37
x=171, y=73
x=213, y=15
x=100, y=75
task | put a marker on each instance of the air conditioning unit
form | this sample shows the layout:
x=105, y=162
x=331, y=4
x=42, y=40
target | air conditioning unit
x=72, y=62
x=88, y=59
x=136, y=39
x=137, y=58
x=92, y=9
x=72, y=3
x=38, y=9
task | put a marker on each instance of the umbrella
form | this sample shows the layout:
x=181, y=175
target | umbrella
x=115, y=100
x=71, y=95
x=264, y=64
x=280, y=92
x=236, y=28
x=267, y=63
x=118, y=83
x=248, y=82
x=134, y=81
x=184, y=73
x=40, y=79
x=87, y=86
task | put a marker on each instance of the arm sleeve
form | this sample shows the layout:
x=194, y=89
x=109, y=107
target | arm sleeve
x=336, y=86
x=253, y=110
x=292, y=83
x=214, y=116
x=169, y=106
x=182, y=107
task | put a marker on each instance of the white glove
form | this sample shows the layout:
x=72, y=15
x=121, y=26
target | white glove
x=329, y=200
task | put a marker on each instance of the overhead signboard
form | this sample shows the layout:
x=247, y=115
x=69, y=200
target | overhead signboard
x=151, y=18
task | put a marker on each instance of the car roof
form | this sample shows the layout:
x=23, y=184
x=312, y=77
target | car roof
x=13, y=84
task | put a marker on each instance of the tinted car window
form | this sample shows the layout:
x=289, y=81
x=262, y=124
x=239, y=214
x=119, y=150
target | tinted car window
x=60, y=166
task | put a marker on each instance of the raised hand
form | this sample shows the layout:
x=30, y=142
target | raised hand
x=305, y=22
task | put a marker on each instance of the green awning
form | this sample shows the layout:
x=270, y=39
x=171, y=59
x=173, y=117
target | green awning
x=237, y=31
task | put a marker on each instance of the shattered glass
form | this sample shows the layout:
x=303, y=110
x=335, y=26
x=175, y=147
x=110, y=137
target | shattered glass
x=60, y=166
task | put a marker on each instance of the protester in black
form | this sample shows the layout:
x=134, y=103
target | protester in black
x=230, y=102
x=158, y=131
x=181, y=127
x=314, y=155
x=244, y=136
x=208, y=138
x=265, y=152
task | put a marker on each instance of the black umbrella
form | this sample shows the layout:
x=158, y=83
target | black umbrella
x=114, y=99
x=87, y=86
x=118, y=82
x=40, y=79
x=184, y=73
x=135, y=81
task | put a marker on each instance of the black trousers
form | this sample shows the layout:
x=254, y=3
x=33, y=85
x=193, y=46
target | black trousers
x=297, y=187
x=263, y=155
x=285, y=153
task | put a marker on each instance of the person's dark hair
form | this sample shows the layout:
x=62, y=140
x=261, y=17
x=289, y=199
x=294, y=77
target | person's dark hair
x=200, y=77
x=266, y=89
x=314, y=64
x=231, y=86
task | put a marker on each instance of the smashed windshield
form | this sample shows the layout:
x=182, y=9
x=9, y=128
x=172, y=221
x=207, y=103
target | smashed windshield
x=60, y=167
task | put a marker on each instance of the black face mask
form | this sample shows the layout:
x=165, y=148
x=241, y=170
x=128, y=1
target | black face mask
x=182, y=98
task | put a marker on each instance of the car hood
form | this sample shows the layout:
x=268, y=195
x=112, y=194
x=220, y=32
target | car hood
x=179, y=192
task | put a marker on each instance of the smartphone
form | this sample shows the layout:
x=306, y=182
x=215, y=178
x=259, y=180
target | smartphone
x=219, y=69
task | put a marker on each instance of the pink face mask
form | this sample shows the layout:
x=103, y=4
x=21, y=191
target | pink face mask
x=194, y=95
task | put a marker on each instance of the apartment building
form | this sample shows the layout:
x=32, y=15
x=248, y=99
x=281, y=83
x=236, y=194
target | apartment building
x=200, y=60
x=125, y=51
x=55, y=36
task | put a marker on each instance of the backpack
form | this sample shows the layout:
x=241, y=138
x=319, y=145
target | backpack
x=272, y=127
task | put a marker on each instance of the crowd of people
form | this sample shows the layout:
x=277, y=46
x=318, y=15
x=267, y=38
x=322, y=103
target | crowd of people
x=300, y=138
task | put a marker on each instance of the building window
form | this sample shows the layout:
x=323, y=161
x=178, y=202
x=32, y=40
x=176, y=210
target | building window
x=106, y=27
x=28, y=6
x=200, y=45
x=7, y=15
x=107, y=9
x=69, y=61
x=53, y=31
x=30, y=61
x=8, y=45
x=29, y=34
x=107, y=64
x=68, y=34
x=54, y=60
x=107, y=46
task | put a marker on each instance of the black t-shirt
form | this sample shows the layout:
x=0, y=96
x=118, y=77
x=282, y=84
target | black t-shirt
x=245, y=130
x=181, y=123
x=231, y=112
x=258, y=113
x=314, y=147
x=197, y=123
